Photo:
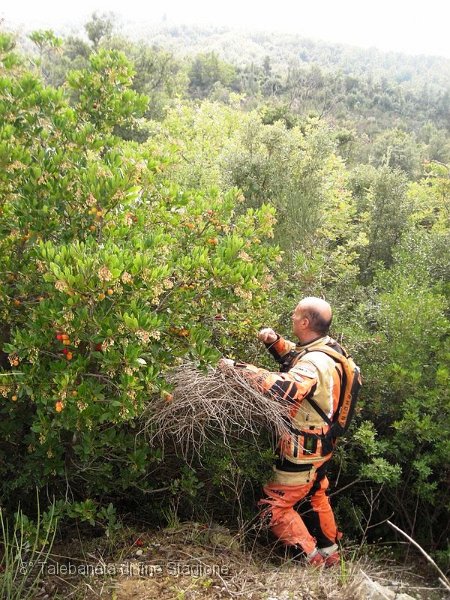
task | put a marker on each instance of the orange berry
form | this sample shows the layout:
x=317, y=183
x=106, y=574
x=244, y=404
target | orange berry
x=66, y=342
x=64, y=336
x=167, y=397
x=59, y=406
x=14, y=398
x=110, y=292
x=92, y=227
x=69, y=356
x=190, y=225
x=101, y=296
x=99, y=214
x=212, y=241
x=181, y=332
x=17, y=302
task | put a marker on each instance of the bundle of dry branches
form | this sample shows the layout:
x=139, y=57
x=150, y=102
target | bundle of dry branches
x=212, y=402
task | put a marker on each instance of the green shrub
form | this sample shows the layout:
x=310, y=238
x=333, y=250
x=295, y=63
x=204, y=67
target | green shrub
x=107, y=279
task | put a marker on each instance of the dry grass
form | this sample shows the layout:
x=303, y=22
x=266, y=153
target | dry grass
x=256, y=571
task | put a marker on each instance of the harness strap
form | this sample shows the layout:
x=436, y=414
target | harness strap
x=320, y=411
x=336, y=353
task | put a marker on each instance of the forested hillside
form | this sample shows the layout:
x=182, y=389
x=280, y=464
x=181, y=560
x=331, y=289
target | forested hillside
x=371, y=98
x=160, y=201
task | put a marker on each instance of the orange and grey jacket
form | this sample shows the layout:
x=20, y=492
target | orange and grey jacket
x=312, y=374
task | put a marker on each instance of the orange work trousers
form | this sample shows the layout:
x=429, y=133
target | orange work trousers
x=301, y=515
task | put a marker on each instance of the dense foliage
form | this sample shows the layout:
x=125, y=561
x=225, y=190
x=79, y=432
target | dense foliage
x=110, y=274
x=144, y=198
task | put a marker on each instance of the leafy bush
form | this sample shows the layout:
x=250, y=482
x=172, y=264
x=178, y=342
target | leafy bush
x=108, y=279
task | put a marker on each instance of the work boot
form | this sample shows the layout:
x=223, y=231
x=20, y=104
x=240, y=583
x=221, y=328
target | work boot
x=315, y=559
x=330, y=555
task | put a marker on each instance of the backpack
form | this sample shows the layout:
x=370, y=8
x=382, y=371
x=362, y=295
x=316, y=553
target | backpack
x=350, y=386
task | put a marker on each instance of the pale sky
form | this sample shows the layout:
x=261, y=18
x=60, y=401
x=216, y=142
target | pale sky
x=401, y=25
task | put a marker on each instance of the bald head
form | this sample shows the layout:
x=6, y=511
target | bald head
x=312, y=317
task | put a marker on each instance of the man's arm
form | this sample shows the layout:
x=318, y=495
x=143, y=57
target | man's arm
x=291, y=387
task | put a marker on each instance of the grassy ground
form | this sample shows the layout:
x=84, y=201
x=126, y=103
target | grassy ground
x=196, y=561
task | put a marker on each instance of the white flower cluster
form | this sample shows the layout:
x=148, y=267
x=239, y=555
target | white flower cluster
x=104, y=274
x=145, y=336
x=244, y=294
x=33, y=354
x=127, y=278
x=61, y=285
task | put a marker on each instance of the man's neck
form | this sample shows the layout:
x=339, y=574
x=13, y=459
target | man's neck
x=310, y=339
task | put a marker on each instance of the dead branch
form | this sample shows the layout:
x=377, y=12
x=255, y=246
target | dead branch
x=443, y=579
x=211, y=403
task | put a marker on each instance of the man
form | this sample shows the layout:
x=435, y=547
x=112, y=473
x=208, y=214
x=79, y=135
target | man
x=300, y=484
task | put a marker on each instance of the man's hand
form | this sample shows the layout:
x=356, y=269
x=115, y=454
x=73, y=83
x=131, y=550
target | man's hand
x=267, y=335
x=225, y=364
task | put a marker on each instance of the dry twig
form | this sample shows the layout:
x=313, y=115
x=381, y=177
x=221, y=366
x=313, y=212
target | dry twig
x=211, y=402
x=442, y=579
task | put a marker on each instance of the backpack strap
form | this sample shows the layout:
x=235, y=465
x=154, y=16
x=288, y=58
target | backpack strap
x=320, y=411
x=339, y=355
